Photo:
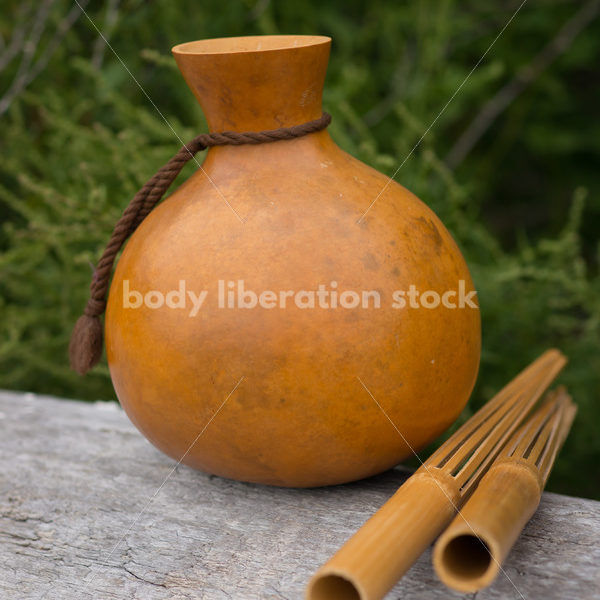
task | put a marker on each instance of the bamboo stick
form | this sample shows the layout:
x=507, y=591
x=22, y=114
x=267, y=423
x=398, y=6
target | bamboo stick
x=468, y=555
x=371, y=562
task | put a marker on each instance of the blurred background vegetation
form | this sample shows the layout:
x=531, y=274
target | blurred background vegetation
x=511, y=166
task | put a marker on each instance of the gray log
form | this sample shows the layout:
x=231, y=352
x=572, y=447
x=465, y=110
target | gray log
x=81, y=516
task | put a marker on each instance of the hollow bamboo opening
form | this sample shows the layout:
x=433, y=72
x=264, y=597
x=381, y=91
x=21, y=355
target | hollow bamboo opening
x=330, y=586
x=467, y=561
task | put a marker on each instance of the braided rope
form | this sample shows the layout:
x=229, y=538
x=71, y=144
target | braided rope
x=85, y=348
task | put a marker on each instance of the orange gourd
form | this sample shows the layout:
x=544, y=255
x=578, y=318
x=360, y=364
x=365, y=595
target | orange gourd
x=290, y=396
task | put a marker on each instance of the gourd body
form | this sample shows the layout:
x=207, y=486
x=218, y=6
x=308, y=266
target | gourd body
x=287, y=395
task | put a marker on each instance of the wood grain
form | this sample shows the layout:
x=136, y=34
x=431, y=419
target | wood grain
x=75, y=476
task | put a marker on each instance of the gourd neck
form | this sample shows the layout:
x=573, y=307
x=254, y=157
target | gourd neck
x=256, y=83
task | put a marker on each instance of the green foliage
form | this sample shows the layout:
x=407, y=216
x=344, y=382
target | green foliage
x=524, y=205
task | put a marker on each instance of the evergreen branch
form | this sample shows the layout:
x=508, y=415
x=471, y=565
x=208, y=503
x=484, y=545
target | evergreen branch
x=110, y=21
x=526, y=75
x=29, y=70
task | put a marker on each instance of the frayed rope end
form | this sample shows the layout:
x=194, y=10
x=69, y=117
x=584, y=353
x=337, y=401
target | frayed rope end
x=85, y=348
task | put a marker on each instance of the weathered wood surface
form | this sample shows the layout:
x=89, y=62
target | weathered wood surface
x=74, y=478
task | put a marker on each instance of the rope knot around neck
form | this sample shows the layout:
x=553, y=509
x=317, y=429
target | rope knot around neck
x=85, y=347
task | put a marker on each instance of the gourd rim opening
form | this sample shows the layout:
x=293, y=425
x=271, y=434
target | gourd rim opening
x=247, y=44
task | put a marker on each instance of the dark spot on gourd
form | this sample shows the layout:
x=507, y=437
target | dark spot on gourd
x=370, y=262
x=429, y=229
